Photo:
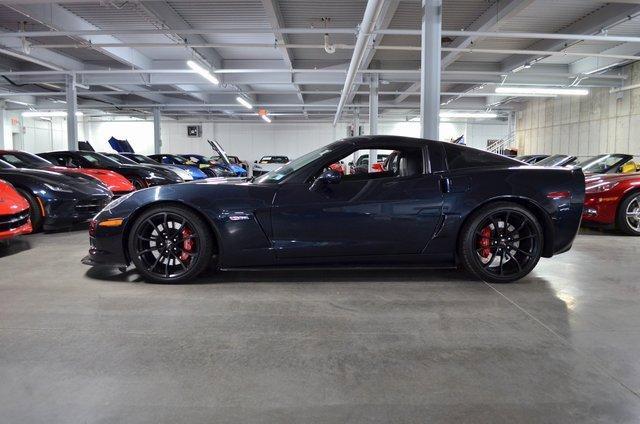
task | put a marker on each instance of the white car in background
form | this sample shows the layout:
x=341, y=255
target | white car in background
x=268, y=164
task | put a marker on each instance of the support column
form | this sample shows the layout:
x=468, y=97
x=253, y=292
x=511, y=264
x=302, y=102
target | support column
x=373, y=116
x=4, y=143
x=72, y=118
x=430, y=69
x=157, y=141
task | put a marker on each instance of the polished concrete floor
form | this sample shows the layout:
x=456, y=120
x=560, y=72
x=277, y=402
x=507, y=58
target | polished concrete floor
x=81, y=345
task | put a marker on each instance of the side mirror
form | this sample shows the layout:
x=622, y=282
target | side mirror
x=327, y=177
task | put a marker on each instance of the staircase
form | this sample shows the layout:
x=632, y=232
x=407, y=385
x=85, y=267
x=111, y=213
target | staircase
x=501, y=146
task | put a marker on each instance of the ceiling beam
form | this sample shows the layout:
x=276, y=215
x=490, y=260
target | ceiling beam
x=277, y=21
x=488, y=21
x=606, y=17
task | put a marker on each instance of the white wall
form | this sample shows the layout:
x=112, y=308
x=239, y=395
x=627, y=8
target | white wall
x=583, y=126
x=249, y=141
x=36, y=134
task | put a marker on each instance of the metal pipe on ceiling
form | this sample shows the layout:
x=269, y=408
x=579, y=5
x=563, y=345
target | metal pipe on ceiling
x=322, y=46
x=369, y=19
x=407, y=32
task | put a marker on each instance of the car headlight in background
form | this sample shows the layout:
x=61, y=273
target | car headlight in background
x=601, y=187
x=61, y=188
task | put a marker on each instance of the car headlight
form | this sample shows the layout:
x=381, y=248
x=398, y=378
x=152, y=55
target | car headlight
x=59, y=188
x=116, y=202
x=601, y=187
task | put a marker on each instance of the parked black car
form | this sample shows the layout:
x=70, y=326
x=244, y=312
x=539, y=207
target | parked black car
x=139, y=175
x=56, y=201
x=437, y=204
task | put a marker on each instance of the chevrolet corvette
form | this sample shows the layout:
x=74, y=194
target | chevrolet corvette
x=138, y=175
x=14, y=212
x=56, y=201
x=436, y=204
x=115, y=182
x=613, y=201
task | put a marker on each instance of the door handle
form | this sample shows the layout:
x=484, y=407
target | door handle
x=445, y=185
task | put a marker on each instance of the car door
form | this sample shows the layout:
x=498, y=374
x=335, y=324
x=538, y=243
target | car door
x=381, y=215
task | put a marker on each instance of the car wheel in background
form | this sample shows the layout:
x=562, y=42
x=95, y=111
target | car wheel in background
x=501, y=242
x=170, y=244
x=35, y=210
x=628, y=218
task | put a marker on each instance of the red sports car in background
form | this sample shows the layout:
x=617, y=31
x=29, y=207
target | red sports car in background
x=613, y=200
x=14, y=212
x=117, y=183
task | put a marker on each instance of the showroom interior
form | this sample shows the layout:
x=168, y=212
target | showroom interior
x=143, y=104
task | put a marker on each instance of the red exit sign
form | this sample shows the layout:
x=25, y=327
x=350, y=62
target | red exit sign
x=15, y=121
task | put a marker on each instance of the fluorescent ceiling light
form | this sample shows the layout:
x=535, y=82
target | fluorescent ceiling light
x=266, y=118
x=205, y=73
x=243, y=102
x=39, y=114
x=543, y=91
x=478, y=115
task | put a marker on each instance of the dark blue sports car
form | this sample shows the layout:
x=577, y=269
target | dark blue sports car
x=432, y=204
x=56, y=201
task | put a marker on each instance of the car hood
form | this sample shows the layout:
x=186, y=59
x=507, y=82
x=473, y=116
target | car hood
x=81, y=185
x=10, y=200
x=596, y=178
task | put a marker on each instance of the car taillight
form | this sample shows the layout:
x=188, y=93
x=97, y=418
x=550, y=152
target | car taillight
x=559, y=195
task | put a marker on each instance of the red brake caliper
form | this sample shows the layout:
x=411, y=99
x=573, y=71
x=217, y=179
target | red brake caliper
x=485, y=242
x=187, y=245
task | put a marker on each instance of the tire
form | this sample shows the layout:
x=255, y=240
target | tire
x=35, y=214
x=628, y=216
x=501, y=242
x=175, y=255
x=137, y=183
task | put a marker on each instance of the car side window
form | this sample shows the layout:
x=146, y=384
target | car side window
x=388, y=163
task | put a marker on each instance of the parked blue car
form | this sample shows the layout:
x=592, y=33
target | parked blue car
x=238, y=171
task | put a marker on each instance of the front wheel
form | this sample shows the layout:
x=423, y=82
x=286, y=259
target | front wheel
x=35, y=210
x=628, y=219
x=169, y=244
x=501, y=243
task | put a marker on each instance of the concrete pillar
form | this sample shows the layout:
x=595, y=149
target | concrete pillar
x=373, y=116
x=72, y=108
x=4, y=133
x=157, y=140
x=430, y=69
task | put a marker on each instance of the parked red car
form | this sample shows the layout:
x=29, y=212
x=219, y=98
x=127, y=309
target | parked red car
x=117, y=183
x=613, y=200
x=14, y=212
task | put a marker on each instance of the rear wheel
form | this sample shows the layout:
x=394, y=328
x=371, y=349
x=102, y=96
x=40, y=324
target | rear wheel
x=501, y=243
x=35, y=211
x=137, y=183
x=628, y=219
x=170, y=244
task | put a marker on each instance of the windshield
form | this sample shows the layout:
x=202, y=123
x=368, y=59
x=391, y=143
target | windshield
x=274, y=159
x=556, y=160
x=24, y=160
x=141, y=159
x=98, y=159
x=5, y=165
x=291, y=167
x=603, y=163
x=121, y=159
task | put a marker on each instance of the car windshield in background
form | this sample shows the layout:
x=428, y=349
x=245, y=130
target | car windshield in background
x=603, y=163
x=274, y=159
x=556, y=160
x=24, y=160
x=121, y=159
x=98, y=159
x=142, y=159
x=282, y=172
x=5, y=165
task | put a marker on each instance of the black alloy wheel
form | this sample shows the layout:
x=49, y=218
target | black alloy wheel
x=501, y=243
x=170, y=244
